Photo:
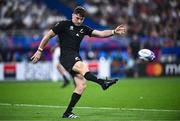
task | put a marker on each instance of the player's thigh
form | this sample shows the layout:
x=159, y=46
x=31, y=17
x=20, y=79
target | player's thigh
x=80, y=80
x=80, y=67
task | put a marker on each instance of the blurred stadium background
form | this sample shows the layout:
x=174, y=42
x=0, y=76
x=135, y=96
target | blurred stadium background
x=152, y=24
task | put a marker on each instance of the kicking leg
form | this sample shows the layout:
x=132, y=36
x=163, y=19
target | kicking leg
x=83, y=70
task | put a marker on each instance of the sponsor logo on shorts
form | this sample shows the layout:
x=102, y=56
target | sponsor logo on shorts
x=77, y=58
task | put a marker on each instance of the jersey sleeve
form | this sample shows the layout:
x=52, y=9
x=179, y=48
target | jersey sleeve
x=59, y=27
x=88, y=31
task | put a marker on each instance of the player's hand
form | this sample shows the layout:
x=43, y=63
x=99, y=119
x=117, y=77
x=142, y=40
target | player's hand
x=37, y=55
x=121, y=29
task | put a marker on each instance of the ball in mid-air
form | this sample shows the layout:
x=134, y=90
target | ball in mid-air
x=146, y=55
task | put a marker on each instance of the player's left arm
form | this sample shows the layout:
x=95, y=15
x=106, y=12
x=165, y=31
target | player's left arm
x=35, y=58
x=120, y=30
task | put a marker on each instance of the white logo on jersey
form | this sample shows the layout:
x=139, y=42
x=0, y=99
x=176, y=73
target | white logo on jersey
x=71, y=28
x=77, y=58
x=77, y=34
x=57, y=24
x=81, y=31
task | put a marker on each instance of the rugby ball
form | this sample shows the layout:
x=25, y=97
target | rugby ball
x=146, y=55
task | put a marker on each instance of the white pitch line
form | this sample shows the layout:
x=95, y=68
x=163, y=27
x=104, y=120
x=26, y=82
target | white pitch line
x=94, y=108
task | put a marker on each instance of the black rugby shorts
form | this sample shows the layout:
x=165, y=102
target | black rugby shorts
x=68, y=60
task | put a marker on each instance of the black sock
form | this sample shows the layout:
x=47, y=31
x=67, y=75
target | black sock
x=65, y=79
x=89, y=76
x=74, y=99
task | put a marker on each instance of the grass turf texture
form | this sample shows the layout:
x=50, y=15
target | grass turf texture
x=129, y=99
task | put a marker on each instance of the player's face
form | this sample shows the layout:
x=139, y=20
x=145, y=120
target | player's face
x=77, y=19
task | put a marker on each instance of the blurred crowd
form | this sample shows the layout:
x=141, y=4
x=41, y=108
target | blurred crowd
x=26, y=14
x=144, y=17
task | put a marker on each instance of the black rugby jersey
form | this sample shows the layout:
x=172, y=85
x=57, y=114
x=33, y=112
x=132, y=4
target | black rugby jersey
x=70, y=35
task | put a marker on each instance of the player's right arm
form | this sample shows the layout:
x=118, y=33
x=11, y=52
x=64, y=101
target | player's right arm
x=120, y=30
x=43, y=43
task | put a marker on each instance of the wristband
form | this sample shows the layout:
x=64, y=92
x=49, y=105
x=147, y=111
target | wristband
x=40, y=49
x=113, y=32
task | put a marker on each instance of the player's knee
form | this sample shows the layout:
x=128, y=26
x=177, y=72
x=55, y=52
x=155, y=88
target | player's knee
x=81, y=67
x=80, y=88
x=84, y=69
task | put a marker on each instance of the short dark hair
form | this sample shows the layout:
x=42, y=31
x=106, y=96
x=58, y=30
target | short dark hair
x=80, y=10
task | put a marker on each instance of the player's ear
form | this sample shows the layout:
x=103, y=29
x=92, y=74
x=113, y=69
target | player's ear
x=72, y=14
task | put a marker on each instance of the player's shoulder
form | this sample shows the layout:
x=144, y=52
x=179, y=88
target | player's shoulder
x=64, y=22
x=85, y=26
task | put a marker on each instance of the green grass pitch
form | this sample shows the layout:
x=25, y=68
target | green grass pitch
x=129, y=99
